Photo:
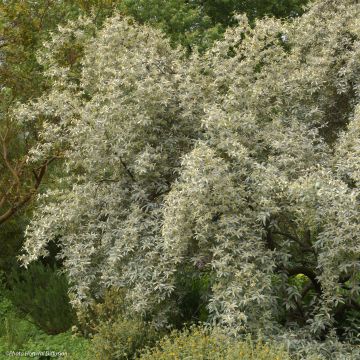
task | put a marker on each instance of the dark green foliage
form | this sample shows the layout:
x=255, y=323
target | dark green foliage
x=221, y=11
x=201, y=22
x=183, y=21
x=191, y=297
x=19, y=333
x=11, y=239
x=41, y=293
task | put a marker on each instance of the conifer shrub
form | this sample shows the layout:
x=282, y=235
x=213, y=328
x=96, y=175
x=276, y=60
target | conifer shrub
x=42, y=293
x=19, y=333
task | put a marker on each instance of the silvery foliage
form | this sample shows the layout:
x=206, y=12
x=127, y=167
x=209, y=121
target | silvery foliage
x=243, y=162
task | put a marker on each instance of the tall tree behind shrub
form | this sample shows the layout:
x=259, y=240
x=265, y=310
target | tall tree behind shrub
x=199, y=23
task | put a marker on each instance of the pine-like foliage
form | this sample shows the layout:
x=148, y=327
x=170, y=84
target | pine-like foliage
x=242, y=164
x=41, y=293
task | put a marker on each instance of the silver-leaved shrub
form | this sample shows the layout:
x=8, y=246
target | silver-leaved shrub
x=243, y=163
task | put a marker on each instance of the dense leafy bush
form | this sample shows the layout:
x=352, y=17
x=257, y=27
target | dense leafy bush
x=199, y=344
x=42, y=293
x=122, y=339
x=115, y=335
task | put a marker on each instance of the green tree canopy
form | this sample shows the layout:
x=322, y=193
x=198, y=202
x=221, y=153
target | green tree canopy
x=201, y=22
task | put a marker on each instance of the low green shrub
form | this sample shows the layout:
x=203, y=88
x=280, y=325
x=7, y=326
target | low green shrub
x=122, y=339
x=117, y=336
x=42, y=293
x=199, y=343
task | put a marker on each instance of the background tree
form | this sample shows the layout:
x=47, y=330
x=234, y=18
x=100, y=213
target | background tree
x=201, y=22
